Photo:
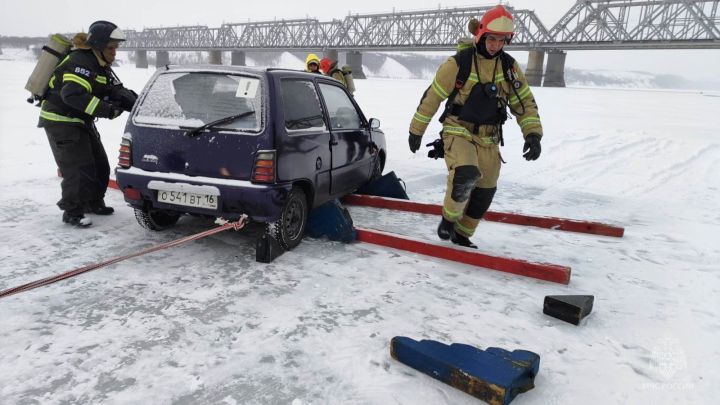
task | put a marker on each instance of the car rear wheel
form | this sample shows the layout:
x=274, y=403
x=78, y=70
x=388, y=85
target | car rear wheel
x=289, y=229
x=156, y=220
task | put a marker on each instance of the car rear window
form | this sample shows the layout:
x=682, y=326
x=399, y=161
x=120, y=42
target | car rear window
x=192, y=99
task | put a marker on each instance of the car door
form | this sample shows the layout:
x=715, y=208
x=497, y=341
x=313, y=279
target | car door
x=350, y=141
x=304, y=141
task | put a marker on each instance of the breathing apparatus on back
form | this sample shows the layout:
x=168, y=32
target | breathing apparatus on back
x=100, y=35
x=349, y=80
x=52, y=53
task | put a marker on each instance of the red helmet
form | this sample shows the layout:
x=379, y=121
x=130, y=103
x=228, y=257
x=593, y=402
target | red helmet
x=498, y=21
x=325, y=65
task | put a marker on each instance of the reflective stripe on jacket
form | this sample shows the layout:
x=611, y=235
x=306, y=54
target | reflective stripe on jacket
x=490, y=71
x=77, y=91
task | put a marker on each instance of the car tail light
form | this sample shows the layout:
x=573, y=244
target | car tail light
x=124, y=159
x=264, y=167
x=132, y=194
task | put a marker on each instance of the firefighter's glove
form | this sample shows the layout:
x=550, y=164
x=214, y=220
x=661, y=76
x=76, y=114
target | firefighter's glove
x=125, y=97
x=109, y=110
x=414, y=142
x=438, y=149
x=531, y=149
x=115, y=112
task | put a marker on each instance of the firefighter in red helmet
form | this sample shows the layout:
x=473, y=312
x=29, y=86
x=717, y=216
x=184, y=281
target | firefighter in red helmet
x=480, y=83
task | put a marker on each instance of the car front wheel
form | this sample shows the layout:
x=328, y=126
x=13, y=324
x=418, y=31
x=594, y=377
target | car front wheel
x=289, y=229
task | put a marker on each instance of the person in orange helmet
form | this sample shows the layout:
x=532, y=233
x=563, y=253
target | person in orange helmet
x=480, y=83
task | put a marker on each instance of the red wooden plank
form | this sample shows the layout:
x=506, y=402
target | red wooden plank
x=563, y=224
x=542, y=271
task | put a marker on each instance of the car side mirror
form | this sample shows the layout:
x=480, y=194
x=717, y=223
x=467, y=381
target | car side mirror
x=374, y=123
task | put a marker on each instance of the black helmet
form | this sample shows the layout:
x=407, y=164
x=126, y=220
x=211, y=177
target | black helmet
x=101, y=33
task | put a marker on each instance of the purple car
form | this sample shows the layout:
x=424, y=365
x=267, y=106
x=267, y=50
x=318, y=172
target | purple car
x=224, y=141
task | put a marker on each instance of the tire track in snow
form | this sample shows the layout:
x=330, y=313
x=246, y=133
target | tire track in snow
x=676, y=169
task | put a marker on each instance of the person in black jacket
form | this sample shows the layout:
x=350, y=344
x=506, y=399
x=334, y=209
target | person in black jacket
x=83, y=88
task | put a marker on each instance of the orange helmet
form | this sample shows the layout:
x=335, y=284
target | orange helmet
x=498, y=21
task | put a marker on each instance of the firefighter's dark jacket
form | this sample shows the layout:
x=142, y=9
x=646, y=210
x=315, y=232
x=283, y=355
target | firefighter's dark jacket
x=80, y=90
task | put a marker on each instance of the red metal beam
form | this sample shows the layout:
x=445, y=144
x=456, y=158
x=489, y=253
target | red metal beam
x=542, y=271
x=562, y=224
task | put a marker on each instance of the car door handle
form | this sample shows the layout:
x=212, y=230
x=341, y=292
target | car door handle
x=333, y=142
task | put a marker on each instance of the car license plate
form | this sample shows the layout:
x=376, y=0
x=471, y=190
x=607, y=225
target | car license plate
x=188, y=199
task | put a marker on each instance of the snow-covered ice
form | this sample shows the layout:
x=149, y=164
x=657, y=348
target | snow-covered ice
x=205, y=324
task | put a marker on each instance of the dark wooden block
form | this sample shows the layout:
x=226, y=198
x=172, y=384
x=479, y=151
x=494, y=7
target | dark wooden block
x=267, y=249
x=494, y=375
x=569, y=308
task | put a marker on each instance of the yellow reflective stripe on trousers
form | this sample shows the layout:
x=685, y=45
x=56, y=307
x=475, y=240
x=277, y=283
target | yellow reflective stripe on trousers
x=439, y=90
x=422, y=118
x=457, y=131
x=101, y=79
x=92, y=105
x=467, y=231
x=529, y=121
x=58, y=118
x=461, y=131
x=69, y=77
x=51, y=84
x=450, y=214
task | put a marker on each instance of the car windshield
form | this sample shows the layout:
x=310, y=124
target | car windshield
x=194, y=99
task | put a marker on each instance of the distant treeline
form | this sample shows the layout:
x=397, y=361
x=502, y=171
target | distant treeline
x=21, y=42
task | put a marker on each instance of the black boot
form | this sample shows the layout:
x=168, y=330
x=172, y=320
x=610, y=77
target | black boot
x=98, y=208
x=78, y=220
x=445, y=229
x=462, y=240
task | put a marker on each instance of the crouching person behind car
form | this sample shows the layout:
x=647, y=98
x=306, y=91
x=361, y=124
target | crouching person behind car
x=82, y=88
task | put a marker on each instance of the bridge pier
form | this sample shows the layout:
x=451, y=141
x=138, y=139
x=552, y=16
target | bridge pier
x=534, y=71
x=237, y=58
x=354, y=59
x=555, y=72
x=215, y=57
x=162, y=58
x=141, y=59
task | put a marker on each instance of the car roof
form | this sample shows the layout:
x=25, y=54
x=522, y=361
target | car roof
x=257, y=70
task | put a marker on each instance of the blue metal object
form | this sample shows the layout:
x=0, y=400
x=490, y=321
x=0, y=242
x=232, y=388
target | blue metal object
x=493, y=375
x=386, y=186
x=332, y=220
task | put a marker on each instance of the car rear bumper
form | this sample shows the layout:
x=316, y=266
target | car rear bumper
x=261, y=202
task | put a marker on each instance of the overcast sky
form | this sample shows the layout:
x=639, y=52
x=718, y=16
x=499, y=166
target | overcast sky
x=39, y=18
